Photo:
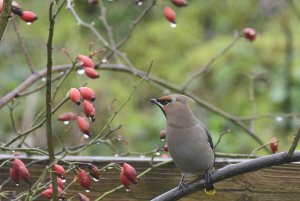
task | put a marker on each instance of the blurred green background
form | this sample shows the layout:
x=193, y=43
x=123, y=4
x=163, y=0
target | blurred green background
x=203, y=29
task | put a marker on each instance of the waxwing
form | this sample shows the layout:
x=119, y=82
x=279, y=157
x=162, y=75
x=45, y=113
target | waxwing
x=189, y=142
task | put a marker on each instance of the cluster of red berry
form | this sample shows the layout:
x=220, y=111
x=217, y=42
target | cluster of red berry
x=26, y=16
x=85, y=95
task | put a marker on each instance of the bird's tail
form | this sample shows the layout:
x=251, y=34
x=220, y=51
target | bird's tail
x=210, y=190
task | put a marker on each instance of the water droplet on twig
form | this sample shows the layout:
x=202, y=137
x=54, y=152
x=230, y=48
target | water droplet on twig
x=80, y=71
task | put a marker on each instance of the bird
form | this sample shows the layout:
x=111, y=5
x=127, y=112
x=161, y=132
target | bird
x=189, y=141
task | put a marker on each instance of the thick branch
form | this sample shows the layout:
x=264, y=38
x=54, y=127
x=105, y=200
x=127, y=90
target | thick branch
x=230, y=171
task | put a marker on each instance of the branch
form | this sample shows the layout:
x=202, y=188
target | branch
x=49, y=99
x=294, y=144
x=230, y=171
x=139, y=73
x=210, y=62
x=4, y=16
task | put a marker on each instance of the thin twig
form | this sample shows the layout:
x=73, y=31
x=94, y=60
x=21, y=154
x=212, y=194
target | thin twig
x=220, y=138
x=210, y=62
x=294, y=144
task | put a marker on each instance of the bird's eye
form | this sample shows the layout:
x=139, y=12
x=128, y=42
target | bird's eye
x=165, y=102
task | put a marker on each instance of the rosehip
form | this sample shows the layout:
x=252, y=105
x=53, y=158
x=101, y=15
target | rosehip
x=130, y=173
x=249, y=33
x=49, y=192
x=89, y=110
x=18, y=162
x=83, y=197
x=162, y=134
x=84, y=179
x=170, y=14
x=85, y=61
x=14, y=174
x=124, y=180
x=165, y=148
x=28, y=16
x=59, y=170
x=75, y=96
x=274, y=145
x=91, y=73
x=94, y=172
x=24, y=173
x=67, y=117
x=87, y=93
x=83, y=125
x=180, y=3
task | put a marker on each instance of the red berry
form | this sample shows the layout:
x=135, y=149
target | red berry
x=67, y=117
x=162, y=134
x=18, y=162
x=91, y=73
x=180, y=3
x=165, y=148
x=84, y=179
x=274, y=145
x=124, y=180
x=83, y=125
x=28, y=16
x=89, y=110
x=24, y=173
x=130, y=173
x=14, y=174
x=75, y=96
x=49, y=192
x=170, y=14
x=94, y=172
x=249, y=33
x=83, y=197
x=87, y=93
x=59, y=170
x=85, y=61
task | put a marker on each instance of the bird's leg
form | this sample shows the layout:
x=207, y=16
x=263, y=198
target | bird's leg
x=182, y=184
x=209, y=188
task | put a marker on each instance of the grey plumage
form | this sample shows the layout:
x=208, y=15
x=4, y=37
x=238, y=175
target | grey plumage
x=189, y=142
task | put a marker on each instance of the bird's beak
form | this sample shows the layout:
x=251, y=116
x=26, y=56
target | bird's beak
x=158, y=103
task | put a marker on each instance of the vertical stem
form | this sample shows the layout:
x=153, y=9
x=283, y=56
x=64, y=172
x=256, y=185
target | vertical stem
x=49, y=101
x=4, y=16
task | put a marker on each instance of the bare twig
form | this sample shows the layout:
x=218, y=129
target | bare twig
x=22, y=44
x=294, y=144
x=210, y=62
x=220, y=138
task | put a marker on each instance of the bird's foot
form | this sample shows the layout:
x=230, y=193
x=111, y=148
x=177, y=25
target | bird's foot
x=182, y=185
x=209, y=188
